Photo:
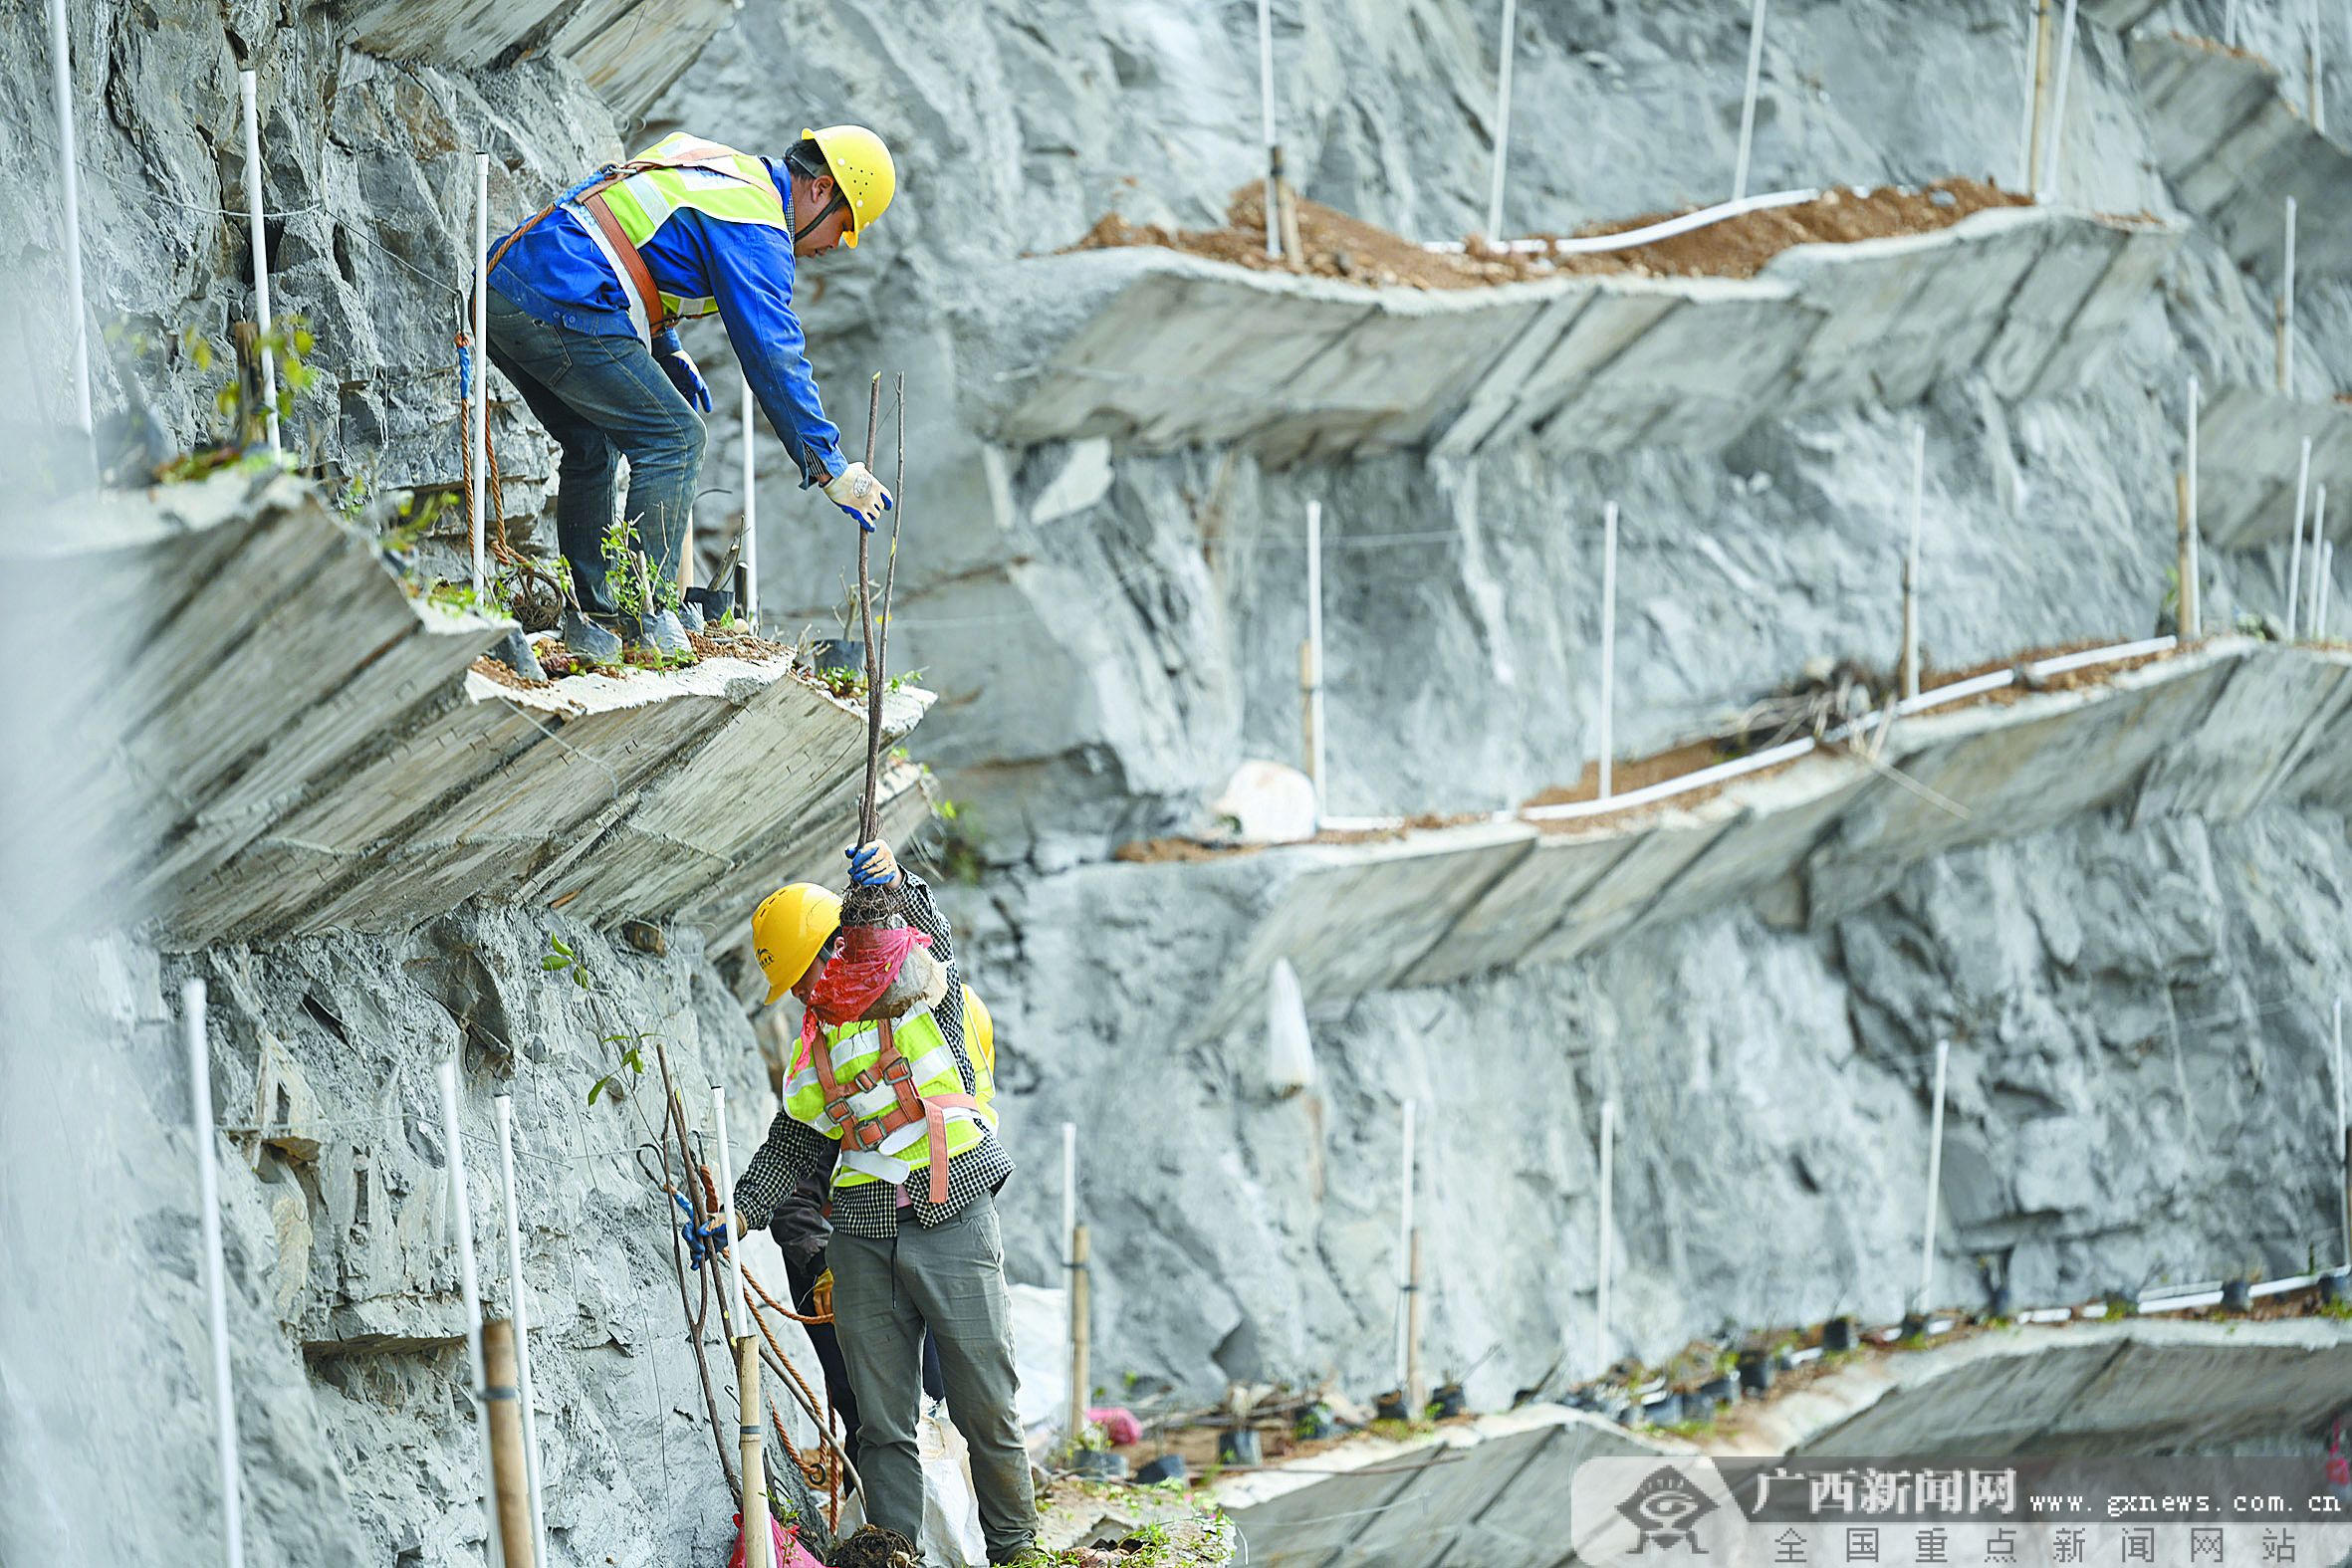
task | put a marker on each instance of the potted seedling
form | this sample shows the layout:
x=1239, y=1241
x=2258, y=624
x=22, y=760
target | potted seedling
x=1241, y=1446
x=1391, y=1405
x=845, y=653
x=1448, y=1401
x=1754, y=1368
x=2237, y=1295
x=1837, y=1335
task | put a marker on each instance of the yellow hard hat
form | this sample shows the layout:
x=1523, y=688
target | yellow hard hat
x=861, y=168
x=788, y=928
x=980, y=1031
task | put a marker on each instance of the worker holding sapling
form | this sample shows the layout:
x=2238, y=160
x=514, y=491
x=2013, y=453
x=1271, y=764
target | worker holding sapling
x=885, y=1090
x=584, y=304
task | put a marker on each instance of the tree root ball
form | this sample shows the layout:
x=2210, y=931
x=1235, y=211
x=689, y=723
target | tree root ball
x=875, y=1547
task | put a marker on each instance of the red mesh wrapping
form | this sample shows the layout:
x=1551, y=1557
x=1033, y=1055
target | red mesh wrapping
x=856, y=978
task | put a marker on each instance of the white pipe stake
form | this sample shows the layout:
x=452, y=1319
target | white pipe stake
x=1069, y=1246
x=261, y=251
x=2318, y=556
x=2286, y=309
x=1608, y=642
x=521, y=1320
x=216, y=1296
x=1755, y=35
x=1505, y=49
x=1404, y=1245
x=480, y=435
x=470, y=1294
x=2032, y=96
x=2343, y=1153
x=1919, y=487
x=1274, y=237
x=751, y=519
x=69, y=169
x=1315, y=749
x=2294, y=565
x=1600, y=1266
x=2056, y=134
x=2318, y=73
x=2327, y=590
x=1927, y=1239
x=2193, y=588
x=2229, y=24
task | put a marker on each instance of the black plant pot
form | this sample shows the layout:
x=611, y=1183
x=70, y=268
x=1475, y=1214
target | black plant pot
x=1664, y=1411
x=1239, y=1448
x=713, y=602
x=1390, y=1406
x=1837, y=1334
x=1755, y=1371
x=2331, y=1287
x=2237, y=1295
x=2122, y=1304
x=1100, y=1463
x=1914, y=1327
x=1168, y=1467
x=1448, y=1401
x=836, y=653
x=1996, y=1301
x=1721, y=1391
x=1315, y=1422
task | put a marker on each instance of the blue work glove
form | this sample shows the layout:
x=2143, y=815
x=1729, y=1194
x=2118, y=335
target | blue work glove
x=872, y=866
x=678, y=366
x=701, y=1241
x=859, y=495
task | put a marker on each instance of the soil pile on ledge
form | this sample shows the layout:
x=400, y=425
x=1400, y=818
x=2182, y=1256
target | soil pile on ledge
x=1353, y=251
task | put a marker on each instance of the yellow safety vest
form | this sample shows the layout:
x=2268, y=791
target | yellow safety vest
x=892, y=1095
x=689, y=172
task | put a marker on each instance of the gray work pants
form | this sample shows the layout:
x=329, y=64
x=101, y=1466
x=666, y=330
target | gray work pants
x=952, y=1277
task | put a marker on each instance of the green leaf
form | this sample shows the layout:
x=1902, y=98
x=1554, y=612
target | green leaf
x=552, y=961
x=560, y=946
x=580, y=975
x=637, y=1063
x=597, y=1088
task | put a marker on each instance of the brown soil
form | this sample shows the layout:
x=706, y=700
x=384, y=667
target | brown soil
x=1338, y=246
x=875, y=1547
x=1179, y=851
x=736, y=644
x=490, y=667
x=2018, y=691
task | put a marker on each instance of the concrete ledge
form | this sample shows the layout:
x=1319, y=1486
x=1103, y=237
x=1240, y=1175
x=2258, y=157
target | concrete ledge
x=2234, y=143
x=1164, y=349
x=2249, y=451
x=298, y=746
x=1491, y=1493
x=2215, y=732
x=2137, y=1386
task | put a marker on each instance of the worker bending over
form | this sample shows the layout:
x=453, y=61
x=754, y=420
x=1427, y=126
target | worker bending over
x=915, y=1238
x=584, y=304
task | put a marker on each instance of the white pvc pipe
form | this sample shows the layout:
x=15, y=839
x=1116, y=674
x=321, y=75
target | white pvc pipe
x=2318, y=559
x=2294, y=562
x=2343, y=1165
x=69, y=172
x=2286, y=309
x=1608, y=641
x=1404, y=1245
x=1927, y=1238
x=1601, y=1266
x=2193, y=589
x=2032, y=96
x=1315, y=749
x=261, y=250
x=1634, y=239
x=216, y=1296
x=2318, y=73
x=2230, y=22
x=521, y=1320
x=2048, y=192
x=1755, y=33
x=1505, y=48
x=1918, y=485
x=1274, y=237
x=2327, y=590
x=470, y=1294
x=481, y=413
x=751, y=519
x=1069, y=1246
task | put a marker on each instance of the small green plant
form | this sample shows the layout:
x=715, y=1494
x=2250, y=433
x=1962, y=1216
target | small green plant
x=620, y=569
x=561, y=959
x=898, y=681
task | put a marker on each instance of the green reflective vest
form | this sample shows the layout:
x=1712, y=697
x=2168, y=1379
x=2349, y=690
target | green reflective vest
x=854, y=1055
x=714, y=180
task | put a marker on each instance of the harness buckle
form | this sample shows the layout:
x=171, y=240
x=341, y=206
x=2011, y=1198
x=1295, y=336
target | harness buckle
x=841, y=1112
x=898, y=1070
x=864, y=1083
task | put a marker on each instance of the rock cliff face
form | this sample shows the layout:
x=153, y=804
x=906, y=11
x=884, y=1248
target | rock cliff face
x=2140, y=1066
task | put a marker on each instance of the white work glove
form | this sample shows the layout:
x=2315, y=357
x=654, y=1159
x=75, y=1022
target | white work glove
x=857, y=491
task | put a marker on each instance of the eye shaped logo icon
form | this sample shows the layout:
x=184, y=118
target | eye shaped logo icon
x=1667, y=1509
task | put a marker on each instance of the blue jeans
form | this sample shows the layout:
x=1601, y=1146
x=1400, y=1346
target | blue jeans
x=603, y=400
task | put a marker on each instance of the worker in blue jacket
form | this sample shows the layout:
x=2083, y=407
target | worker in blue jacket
x=582, y=311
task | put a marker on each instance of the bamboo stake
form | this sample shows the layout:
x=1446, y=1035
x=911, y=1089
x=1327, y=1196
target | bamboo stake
x=1756, y=36
x=759, y=1543
x=1069, y=1258
x=2294, y=565
x=2044, y=40
x=1926, y=1241
x=70, y=175
x=261, y=255
x=1081, y=1332
x=510, y=1471
x=897, y=521
x=1606, y=1244
x=2193, y=623
x=1919, y=482
x=1404, y=1245
x=1273, y=151
x=751, y=519
x=216, y=1298
x=1608, y=643
x=1416, y=1395
x=505, y=1108
x=1505, y=47
x=2286, y=309
x=2343, y=1133
x=2185, y=594
x=866, y=809
x=469, y=1294
x=2055, y=136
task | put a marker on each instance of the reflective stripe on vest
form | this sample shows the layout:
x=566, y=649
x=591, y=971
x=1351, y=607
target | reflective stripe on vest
x=714, y=180
x=931, y=1065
